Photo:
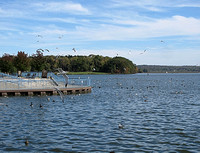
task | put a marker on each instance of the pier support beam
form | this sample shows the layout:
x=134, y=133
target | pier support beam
x=30, y=93
x=43, y=93
x=4, y=94
x=17, y=93
x=64, y=92
x=73, y=91
x=55, y=93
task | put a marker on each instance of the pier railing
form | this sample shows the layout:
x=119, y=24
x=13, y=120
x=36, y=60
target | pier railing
x=80, y=81
x=41, y=83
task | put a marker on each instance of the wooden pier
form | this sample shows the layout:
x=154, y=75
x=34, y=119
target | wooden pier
x=15, y=86
x=47, y=91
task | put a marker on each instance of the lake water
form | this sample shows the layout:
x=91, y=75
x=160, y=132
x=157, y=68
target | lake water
x=159, y=112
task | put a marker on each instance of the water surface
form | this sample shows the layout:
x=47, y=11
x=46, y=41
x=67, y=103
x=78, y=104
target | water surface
x=160, y=113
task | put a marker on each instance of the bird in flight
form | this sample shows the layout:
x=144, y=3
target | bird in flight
x=74, y=49
x=42, y=50
x=47, y=50
x=143, y=52
x=40, y=36
x=60, y=37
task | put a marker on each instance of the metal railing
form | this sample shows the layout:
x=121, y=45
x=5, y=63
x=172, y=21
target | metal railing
x=10, y=84
x=80, y=81
x=13, y=83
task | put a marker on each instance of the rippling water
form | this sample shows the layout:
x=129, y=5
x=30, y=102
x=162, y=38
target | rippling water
x=160, y=113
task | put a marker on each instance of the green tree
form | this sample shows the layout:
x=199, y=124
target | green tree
x=64, y=63
x=120, y=65
x=37, y=61
x=98, y=63
x=6, y=64
x=79, y=64
x=22, y=62
x=51, y=63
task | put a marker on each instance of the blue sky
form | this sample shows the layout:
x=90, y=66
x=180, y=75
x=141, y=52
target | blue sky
x=156, y=32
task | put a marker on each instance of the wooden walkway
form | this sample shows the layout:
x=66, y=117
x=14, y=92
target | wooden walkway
x=43, y=91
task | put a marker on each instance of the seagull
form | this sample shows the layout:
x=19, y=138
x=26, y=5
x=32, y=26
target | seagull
x=143, y=51
x=40, y=36
x=63, y=73
x=120, y=126
x=40, y=50
x=74, y=49
x=61, y=94
x=26, y=142
x=48, y=99
x=60, y=36
x=3, y=104
x=31, y=104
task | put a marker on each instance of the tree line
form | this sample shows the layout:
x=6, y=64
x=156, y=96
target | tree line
x=168, y=69
x=92, y=63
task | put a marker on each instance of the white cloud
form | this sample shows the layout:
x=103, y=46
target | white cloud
x=155, y=5
x=11, y=13
x=64, y=7
x=174, y=26
x=166, y=57
x=127, y=29
x=151, y=5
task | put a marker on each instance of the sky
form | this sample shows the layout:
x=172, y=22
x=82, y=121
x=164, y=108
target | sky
x=151, y=32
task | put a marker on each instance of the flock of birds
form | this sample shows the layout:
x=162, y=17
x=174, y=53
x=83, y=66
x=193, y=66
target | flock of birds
x=144, y=50
x=74, y=50
x=31, y=105
x=120, y=125
x=58, y=91
x=43, y=50
x=41, y=104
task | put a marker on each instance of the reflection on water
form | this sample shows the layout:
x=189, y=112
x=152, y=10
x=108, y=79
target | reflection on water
x=160, y=112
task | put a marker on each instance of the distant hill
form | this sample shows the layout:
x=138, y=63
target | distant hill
x=168, y=69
